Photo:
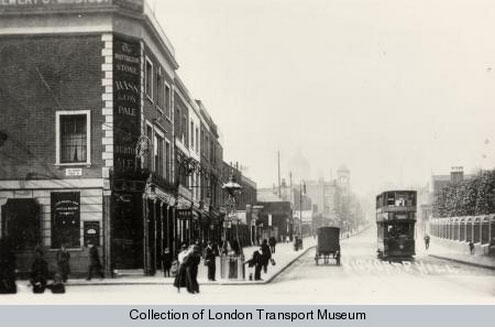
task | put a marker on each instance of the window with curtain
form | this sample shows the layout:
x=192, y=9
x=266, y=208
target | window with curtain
x=73, y=139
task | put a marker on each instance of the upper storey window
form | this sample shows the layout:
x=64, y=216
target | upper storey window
x=73, y=137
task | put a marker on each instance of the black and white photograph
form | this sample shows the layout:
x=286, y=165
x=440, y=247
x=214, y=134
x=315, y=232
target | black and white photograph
x=278, y=152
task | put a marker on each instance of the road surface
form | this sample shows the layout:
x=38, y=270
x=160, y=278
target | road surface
x=360, y=280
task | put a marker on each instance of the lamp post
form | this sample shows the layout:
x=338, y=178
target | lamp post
x=232, y=265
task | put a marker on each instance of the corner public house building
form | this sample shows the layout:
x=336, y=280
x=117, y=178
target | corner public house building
x=87, y=135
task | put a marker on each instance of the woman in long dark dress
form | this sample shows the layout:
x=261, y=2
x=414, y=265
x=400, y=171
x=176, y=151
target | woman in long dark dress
x=180, y=278
x=192, y=262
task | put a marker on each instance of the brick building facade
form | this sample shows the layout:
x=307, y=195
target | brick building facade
x=98, y=137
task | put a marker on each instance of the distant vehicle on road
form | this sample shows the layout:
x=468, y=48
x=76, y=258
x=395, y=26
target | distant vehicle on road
x=328, y=245
x=395, y=220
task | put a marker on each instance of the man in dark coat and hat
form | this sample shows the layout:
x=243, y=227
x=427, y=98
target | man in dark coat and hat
x=94, y=263
x=63, y=257
x=210, y=260
x=167, y=262
x=266, y=255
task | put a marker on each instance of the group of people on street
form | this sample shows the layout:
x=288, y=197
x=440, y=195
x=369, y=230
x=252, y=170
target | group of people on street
x=188, y=259
x=40, y=273
x=260, y=260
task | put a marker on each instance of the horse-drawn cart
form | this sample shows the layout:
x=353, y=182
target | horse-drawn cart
x=328, y=245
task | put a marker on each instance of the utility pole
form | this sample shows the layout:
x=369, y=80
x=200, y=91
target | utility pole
x=300, y=207
x=290, y=184
x=279, y=190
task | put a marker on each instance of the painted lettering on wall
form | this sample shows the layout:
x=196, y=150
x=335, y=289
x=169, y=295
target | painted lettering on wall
x=127, y=102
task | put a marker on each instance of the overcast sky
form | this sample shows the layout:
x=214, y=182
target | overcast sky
x=395, y=90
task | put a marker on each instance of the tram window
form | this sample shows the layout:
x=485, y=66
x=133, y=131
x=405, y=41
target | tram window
x=400, y=201
x=398, y=230
x=390, y=198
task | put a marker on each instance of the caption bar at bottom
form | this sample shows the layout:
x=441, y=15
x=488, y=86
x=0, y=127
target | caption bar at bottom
x=247, y=315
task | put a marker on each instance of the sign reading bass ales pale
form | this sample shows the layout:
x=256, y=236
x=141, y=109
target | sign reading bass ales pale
x=127, y=102
x=40, y=5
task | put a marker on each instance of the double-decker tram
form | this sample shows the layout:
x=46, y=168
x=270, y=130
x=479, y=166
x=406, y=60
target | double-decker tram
x=395, y=220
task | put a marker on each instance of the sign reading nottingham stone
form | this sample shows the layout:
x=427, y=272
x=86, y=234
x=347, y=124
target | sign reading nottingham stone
x=127, y=101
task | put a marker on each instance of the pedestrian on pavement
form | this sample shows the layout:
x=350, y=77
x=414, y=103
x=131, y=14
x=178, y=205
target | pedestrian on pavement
x=7, y=268
x=296, y=243
x=180, y=278
x=273, y=243
x=190, y=269
x=266, y=255
x=471, y=247
x=210, y=261
x=427, y=241
x=39, y=272
x=63, y=258
x=167, y=262
x=194, y=262
x=94, y=263
x=255, y=262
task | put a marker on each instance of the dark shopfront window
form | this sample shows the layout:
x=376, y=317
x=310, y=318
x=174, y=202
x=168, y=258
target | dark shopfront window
x=65, y=219
x=73, y=138
x=21, y=223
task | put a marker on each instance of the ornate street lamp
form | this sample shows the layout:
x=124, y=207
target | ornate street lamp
x=232, y=265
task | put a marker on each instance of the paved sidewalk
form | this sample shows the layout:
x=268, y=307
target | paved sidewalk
x=284, y=256
x=459, y=252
